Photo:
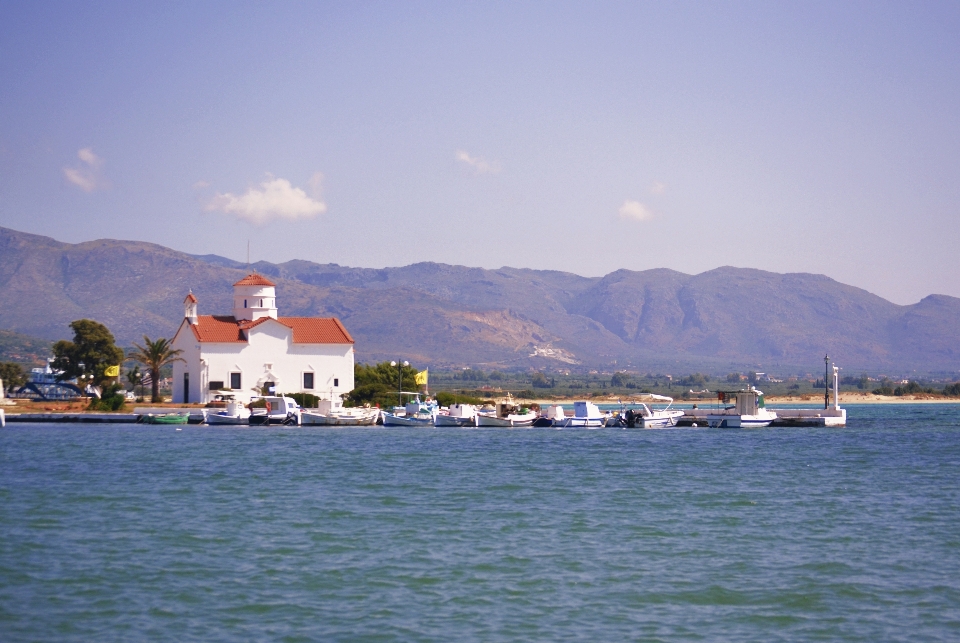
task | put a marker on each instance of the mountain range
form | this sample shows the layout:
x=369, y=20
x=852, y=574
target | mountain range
x=451, y=316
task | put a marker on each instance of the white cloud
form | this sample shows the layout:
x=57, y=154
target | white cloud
x=87, y=176
x=275, y=199
x=635, y=211
x=658, y=188
x=316, y=182
x=479, y=164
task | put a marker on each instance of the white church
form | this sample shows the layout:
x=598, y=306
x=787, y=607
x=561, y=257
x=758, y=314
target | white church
x=256, y=349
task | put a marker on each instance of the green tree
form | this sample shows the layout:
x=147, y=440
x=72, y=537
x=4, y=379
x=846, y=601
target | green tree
x=90, y=353
x=377, y=384
x=12, y=375
x=135, y=377
x=620, y=379
x=155, y=355
x=540, y=380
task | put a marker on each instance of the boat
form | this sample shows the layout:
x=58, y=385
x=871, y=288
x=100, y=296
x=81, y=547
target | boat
x=746, y=412
x=586, y=415
x=457, y=415
x=234, y=413
x=333, y=413
x=278, y=410
x=166, y=418
x=507, y=414
x=414, y=413
x=641, y=416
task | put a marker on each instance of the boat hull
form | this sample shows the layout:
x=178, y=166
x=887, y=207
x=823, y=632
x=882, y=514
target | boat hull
x=580, y=423
x=215, y=419
x=166, y=419
x=739, y=421
x=450, y=420
x=339, y=419
x=389, y=419
x=520, y=421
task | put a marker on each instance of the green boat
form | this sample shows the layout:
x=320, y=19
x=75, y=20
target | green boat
x=166, y=418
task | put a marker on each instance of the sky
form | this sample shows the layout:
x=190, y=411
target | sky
x=584, y=137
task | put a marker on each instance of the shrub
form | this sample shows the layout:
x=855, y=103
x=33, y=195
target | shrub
x=305, y=400
x=952, y=390
x=112, y=399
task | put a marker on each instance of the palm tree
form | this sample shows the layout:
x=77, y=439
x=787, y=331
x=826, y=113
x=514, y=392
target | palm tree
x=154, y=355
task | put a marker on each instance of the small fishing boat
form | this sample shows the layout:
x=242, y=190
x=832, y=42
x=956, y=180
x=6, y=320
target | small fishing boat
x=746, y=412
x=457, y=415
x=277, y=410
x=234, y=413
x=586, y=415
x=166, y=418
x=641, y=416
x=333, y=413
x=507, y=414
x=414, y=413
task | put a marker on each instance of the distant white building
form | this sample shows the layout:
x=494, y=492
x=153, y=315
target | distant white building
x=255, y=348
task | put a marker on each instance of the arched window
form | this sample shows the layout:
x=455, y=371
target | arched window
x=244, y=303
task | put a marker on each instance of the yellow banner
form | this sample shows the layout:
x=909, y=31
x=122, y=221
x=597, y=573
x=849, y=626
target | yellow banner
x=112, y=371
x=421, y=378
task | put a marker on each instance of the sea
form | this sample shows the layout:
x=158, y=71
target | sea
x=152, y=533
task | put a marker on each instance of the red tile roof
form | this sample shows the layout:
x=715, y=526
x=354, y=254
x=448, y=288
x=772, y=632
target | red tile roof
x=306, y=330
x=317, y=330
x=218, y=328
x=190, y=297
x=254, y=280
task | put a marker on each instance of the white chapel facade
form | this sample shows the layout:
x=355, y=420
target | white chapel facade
x=256, y=348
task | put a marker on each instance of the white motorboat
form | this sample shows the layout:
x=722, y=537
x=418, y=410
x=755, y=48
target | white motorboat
x=234, y=413
x=414, y=413
x=586, y=415
x=457, y=415
x=747, y=411
x=641, y=416
x=507, y=414
x=278, y=410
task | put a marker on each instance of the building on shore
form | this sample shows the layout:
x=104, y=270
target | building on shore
x=257, y=350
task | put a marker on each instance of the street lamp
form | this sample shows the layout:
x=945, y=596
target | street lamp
x=400, y=366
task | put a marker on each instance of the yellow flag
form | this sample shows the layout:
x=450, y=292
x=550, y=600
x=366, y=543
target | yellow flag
x=421, y=378
x=112, y=371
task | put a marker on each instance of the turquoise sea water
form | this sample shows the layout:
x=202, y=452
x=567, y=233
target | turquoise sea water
x=123, y=533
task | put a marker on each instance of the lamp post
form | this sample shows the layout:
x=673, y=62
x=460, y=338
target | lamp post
x=826, y=389
x=400, y=366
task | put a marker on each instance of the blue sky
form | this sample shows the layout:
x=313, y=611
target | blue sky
x=792, y=137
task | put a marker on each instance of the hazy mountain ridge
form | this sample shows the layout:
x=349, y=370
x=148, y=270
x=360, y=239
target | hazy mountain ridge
x=456, y=315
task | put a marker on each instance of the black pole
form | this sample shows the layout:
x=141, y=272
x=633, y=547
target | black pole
x=826, y=389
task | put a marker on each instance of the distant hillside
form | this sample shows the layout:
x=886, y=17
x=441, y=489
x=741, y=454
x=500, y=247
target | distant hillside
x=445, y=315
x=23, y=349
